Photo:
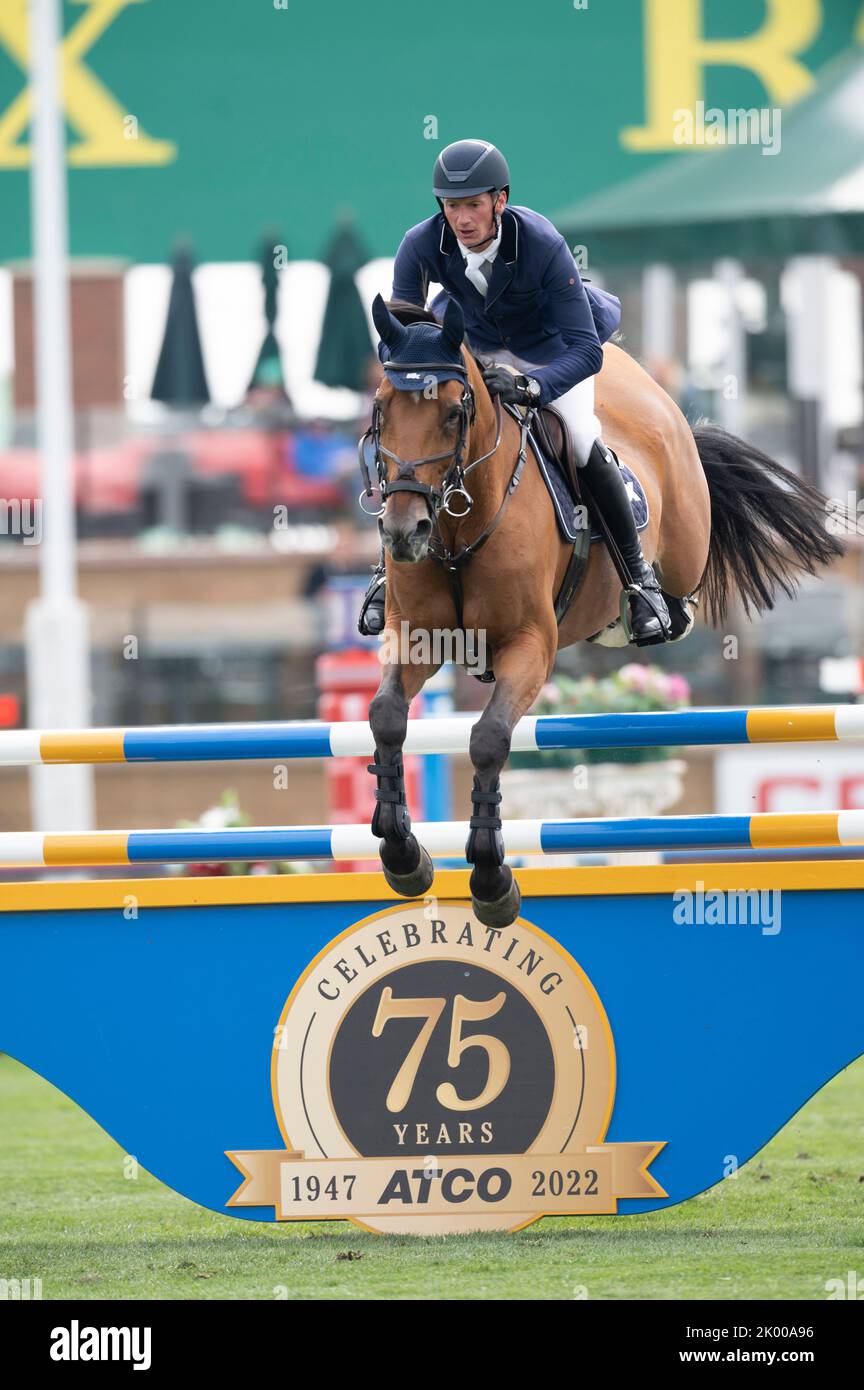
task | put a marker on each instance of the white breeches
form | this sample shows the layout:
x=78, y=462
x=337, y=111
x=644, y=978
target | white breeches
x=576, y=405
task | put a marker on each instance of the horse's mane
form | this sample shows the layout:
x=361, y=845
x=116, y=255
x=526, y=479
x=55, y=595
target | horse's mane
x=411, y=313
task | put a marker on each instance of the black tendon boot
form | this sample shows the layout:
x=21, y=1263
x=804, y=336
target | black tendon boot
x=649, y=621
x=371, y=619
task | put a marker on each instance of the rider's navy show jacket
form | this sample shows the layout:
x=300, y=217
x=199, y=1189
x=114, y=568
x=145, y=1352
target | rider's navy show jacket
x=536, y=306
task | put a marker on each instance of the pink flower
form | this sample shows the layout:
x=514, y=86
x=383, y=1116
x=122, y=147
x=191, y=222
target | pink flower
x=678, y=689
x=635, y=675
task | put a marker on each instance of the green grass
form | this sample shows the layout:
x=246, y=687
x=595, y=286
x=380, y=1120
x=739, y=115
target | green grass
x=793, y=1218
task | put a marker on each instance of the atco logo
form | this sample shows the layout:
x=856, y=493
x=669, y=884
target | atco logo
x=431, y=1075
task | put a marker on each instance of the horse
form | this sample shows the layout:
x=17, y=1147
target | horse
x=471, y=540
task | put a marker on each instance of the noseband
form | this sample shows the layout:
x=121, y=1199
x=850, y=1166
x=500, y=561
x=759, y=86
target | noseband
x=438, y=499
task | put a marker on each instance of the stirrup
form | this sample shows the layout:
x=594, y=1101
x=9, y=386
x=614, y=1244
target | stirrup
x=370, y=621
x=652, y=595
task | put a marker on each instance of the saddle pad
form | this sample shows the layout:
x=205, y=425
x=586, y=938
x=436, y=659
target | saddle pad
x=562, y=501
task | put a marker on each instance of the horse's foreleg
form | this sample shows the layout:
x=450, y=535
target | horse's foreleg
x=521, y=667
x=407, y=866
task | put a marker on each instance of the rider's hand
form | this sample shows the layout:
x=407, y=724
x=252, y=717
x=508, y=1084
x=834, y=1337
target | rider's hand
x=513, y=390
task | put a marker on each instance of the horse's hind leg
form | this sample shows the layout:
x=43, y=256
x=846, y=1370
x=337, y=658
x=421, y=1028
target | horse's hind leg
x=521, y=667
x=407, y=866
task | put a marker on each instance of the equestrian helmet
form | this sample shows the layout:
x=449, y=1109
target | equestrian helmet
x=469, y=167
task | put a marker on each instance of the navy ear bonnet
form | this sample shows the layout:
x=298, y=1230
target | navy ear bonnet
x=426, y=349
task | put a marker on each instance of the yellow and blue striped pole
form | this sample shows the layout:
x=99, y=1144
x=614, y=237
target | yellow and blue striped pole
x=353, y=738
x=830, y=829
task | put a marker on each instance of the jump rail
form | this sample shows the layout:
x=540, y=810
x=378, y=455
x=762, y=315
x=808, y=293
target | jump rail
x=294, y=980
x=443, y=839
x=308, y=739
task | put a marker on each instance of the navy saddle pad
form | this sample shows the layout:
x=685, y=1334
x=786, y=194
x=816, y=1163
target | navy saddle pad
x=559, y=491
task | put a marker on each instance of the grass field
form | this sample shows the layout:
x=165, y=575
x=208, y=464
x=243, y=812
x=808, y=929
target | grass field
x=792, y=1219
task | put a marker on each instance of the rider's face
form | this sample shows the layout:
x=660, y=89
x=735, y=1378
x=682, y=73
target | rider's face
x=471, y=219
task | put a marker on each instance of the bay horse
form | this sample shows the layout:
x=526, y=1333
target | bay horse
x=724, y=520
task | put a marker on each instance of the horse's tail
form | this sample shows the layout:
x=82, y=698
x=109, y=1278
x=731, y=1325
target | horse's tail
x=768, y=527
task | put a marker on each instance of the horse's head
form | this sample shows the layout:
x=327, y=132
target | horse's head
x=420, y=422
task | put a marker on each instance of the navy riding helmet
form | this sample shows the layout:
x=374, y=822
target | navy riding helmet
x=469, y=167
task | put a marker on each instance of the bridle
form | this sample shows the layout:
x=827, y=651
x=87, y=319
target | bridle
x=438, y=499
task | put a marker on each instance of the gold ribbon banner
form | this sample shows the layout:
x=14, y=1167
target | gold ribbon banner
x=590, y=1180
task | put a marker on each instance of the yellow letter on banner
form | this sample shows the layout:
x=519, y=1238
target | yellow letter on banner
x=677, y=53
x=90, y=108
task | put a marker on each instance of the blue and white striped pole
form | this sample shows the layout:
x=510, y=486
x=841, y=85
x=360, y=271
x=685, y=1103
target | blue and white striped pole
x=828, y=829
x=353, y=738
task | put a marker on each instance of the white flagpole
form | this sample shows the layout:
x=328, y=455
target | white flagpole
x=57, y=629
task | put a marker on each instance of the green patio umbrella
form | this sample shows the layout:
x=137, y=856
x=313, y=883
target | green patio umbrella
x=180, y=378
x=346, y=343
x=734, y=200
x=268, y=374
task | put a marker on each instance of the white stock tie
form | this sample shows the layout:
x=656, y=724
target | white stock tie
x=479, y=271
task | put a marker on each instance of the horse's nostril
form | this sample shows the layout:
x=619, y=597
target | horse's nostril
x=405, y=541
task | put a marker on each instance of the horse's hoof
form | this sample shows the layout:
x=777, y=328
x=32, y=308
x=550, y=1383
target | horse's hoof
x=415, y=884
x=503, y=911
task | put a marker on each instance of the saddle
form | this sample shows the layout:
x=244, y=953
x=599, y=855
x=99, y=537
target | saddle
x=553, y=439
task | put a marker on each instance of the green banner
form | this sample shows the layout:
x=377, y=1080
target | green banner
x=218, y=119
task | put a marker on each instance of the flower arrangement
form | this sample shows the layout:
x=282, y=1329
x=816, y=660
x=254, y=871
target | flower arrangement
x=226, y=815
x=635, y=688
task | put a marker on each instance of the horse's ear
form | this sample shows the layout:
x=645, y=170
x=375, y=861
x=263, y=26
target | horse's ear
x=452, y=327
x=390, y=330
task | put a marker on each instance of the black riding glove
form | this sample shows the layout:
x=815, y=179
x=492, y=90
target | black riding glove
x=513, y=390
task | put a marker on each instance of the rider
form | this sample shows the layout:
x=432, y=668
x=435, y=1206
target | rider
x=524, y=304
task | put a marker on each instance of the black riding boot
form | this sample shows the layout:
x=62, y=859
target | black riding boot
x=649, y=620
x=371, y=620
